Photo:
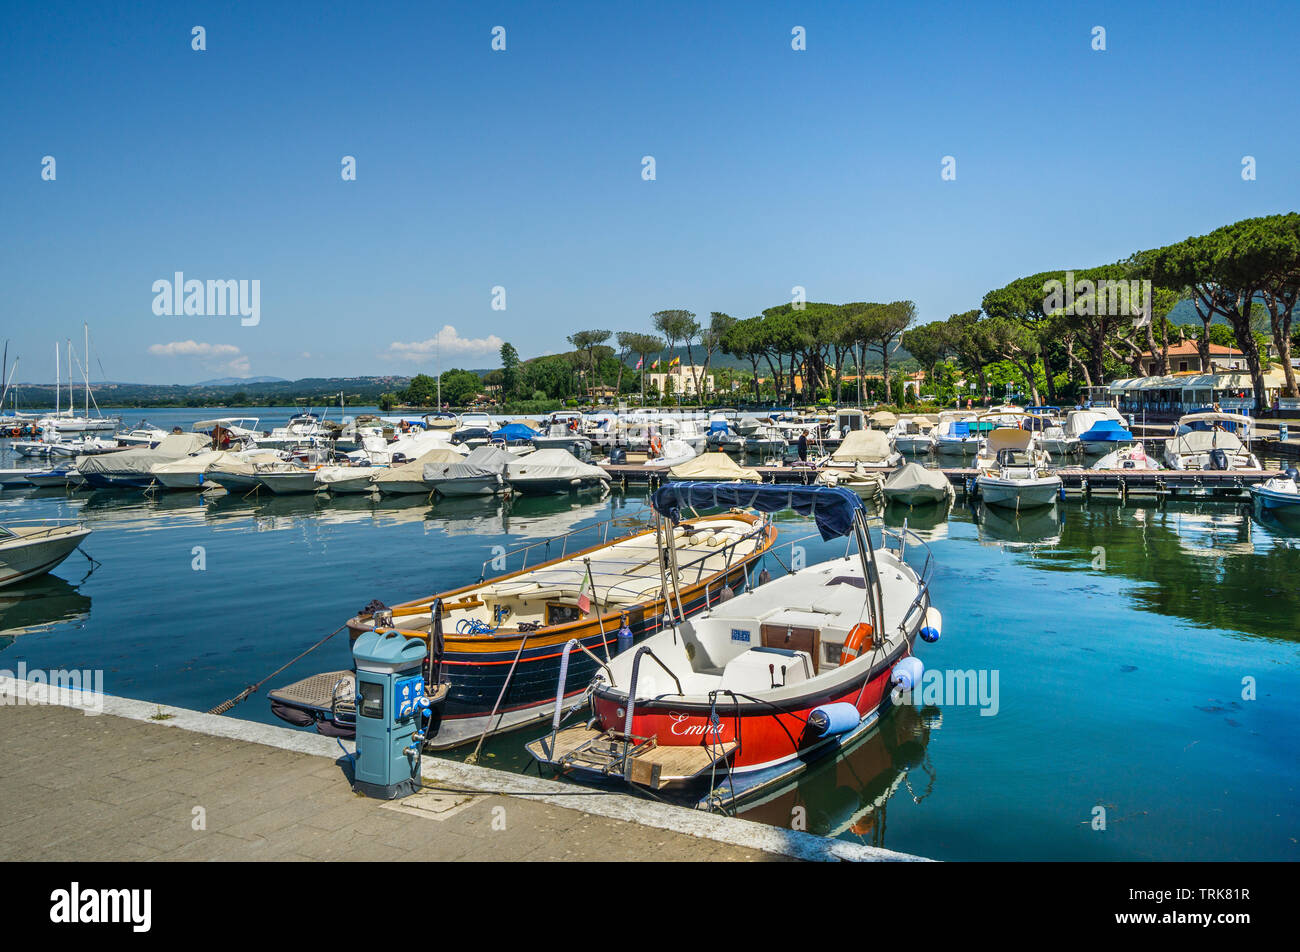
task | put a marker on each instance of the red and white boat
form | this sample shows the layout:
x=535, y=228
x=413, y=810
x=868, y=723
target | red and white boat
x=738, y=700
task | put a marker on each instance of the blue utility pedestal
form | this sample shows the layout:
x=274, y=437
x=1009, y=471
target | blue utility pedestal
x=390, y=703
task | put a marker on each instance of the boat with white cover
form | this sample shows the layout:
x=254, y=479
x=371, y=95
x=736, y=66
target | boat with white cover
x=914, y=485
x=480, y=473
x=547, y=472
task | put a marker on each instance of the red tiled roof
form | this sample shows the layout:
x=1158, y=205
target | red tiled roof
x=1188, y=348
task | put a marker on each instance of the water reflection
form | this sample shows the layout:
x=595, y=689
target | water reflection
x=928, y=520
x=1030, y=528
x=38, y=605
x=848, y=795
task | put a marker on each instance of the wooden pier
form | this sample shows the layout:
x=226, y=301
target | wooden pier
x=1076, y=480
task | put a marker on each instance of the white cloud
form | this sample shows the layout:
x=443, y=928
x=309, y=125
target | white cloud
x=192, y=348
x=449, y=342
x=225, y=358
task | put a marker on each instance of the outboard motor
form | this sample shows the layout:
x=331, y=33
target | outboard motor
x=1218, y=459
x=618, y=454
x=1291, y=474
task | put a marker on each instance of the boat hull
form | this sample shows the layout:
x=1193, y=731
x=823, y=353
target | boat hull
x=22, y=560
x=1018, y=493
x=468, y=485
x=1272, y=499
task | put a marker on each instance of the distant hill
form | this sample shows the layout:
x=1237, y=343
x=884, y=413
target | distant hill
x=238, y=381
x=272, y=391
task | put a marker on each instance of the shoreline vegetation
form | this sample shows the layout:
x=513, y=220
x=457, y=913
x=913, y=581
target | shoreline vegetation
x=1048, y=337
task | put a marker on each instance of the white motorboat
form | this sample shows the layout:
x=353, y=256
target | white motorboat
x=1014, y=474
x=28, y=550
x=954, y=436
x=65, y=474
x=301, y=428
x=864, y=448
x=133, y=468
x=408, y=478
x=1129, y=456
x=143, y=434
x=345, y=479
x=480, y=473
x=913, y=485
x=671, y=453
x=1209, y=441
x=913, y=435
x=547, y=472
x=16, y=478
x=286, y=479
x=1279, y=492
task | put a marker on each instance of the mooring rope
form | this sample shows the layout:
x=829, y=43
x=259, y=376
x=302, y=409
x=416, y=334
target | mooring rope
x=243, y=695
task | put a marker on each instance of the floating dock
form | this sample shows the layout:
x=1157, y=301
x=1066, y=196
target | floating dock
x=1076, y=480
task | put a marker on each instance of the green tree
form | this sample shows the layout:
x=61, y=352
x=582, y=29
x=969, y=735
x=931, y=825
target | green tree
x=509, y=370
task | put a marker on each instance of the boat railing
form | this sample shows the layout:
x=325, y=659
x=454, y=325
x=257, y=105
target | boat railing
x=48, y=525
x=901, y=537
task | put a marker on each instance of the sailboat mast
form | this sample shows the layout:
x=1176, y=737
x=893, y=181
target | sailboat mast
x=86, y=367
x=58, y=383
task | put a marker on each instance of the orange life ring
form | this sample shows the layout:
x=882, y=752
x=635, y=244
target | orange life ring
x=656, y=445
x=858, y=641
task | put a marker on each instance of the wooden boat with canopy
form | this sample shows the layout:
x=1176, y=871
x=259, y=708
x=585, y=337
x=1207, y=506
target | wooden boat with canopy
x=495, y=645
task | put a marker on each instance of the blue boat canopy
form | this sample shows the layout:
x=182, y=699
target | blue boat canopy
x=514, y=432
x=832, y=507
x=1106, y=431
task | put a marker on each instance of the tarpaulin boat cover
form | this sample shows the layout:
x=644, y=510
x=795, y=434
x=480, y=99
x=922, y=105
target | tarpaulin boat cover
x=514, y=433
x=832, y=507
x=552, y=464
x=248, y=463
x=717, y=466
x=913, y=476
x=413, y=472
x=484, y=461
x=1202, y=441
x=1106, y=431
x=140, y=461
x=192, y=464
x=863, y=446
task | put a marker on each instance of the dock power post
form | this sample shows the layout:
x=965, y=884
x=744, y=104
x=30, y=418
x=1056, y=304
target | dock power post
x=391, y=702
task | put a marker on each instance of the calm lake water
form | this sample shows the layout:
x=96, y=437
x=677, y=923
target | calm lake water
x=1120, y=684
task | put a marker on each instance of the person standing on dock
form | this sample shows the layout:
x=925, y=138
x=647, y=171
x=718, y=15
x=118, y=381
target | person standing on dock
x=803, y=447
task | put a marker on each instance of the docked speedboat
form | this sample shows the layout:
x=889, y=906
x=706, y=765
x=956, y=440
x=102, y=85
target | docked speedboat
x=1209, y=440
x=408, y=478
x=1130, y=456
x=547, y=472
x=913, y=435
x=345, y=479
x=720, y=707
x=494, y=645
x=301, y=428
x=864, y=448
x=671, y=453
x=954, y=435
x=913, y=485
x=28, y=550
x=142, y=434
x=1014, y=474
x=1279, y=492
x=16, y=477
x=480, y=473
x=64, y=474
x=713, y=467
x=133, y=468
x=285, y=479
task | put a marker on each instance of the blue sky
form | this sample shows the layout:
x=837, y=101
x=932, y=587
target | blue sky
x=522, y=169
